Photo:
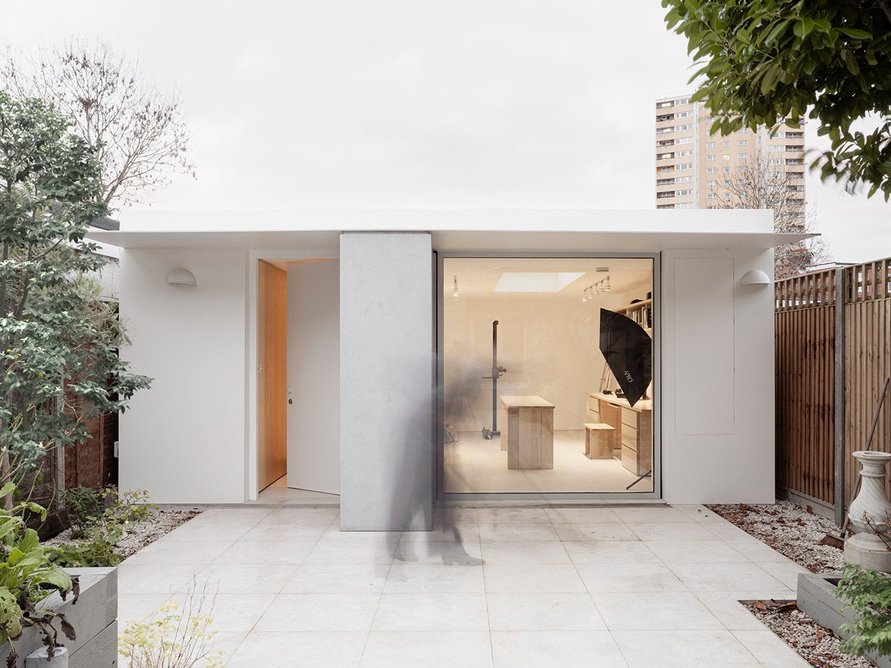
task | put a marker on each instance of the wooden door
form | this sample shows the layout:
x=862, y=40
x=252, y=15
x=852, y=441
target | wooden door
x=272, y=367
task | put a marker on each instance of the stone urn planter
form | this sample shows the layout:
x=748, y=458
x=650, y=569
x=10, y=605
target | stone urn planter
x=865, y=548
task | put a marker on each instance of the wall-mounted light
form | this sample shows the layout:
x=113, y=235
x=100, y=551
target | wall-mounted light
x=455, y=287
x=755, y=277
x=182, y=277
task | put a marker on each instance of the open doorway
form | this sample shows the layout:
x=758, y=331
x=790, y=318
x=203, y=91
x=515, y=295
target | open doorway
x=298, y=380
x=548, y=375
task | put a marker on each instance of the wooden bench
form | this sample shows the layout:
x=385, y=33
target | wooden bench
x=598, y=440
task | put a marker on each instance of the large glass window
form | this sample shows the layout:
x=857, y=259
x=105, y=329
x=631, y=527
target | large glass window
x=548, y=369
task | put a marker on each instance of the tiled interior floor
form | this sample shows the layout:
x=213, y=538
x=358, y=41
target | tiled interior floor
x=574, y=586
x=473, y=464
x=279, y=493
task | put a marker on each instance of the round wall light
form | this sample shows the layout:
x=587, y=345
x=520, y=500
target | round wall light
x=181, y=277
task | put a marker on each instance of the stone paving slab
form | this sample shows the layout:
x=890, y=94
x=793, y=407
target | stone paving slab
x=576, y=586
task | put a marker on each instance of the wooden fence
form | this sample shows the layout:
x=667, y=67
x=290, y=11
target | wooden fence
x=833, y=354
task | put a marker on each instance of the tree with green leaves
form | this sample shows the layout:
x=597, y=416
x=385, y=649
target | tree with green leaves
x=766, y=61
x=59, y=366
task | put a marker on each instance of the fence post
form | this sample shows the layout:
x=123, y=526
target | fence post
x=839, y=399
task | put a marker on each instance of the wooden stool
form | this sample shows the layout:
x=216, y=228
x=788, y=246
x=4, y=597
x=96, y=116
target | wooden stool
x=598, y=440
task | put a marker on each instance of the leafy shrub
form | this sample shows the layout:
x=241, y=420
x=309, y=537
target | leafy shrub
x=174, y=640
x=868, y=593
x=84, y=505
x=27, y=576
x=99, y=521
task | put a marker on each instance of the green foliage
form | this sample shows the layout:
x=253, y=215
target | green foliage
x=173, y=640
x=868, y=593
x=59, y=365
x=99, y=521
x=766, y=61
x=27, y=576
x=84, y=505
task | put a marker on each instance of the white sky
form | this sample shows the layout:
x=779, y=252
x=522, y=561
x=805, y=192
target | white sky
x=414, y=103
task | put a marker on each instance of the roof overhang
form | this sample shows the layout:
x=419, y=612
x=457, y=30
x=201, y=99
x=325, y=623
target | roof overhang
x=455, y=230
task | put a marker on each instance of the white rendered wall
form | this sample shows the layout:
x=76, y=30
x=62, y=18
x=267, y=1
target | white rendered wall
x=717, y=378
x=386, y=381
x=314, y=376
x=183, y=440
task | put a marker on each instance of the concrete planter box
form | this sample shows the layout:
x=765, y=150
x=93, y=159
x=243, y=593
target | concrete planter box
x=816, y=598
x=94, y=618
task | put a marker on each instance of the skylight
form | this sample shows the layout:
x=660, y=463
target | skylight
x=536, y=281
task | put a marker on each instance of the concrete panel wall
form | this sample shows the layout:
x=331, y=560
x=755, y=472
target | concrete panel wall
x=183, y=440
x=717, y=378
x=386, y=381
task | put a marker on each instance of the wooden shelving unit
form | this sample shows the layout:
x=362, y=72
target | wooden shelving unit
x=638, y=312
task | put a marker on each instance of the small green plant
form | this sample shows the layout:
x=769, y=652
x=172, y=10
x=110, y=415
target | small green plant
x=84, y=505
x=174, y=640
x=868, y=593
x=99, y=520
x=28, y=576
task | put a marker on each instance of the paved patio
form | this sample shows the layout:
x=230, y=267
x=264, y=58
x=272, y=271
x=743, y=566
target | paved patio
x=627, y=586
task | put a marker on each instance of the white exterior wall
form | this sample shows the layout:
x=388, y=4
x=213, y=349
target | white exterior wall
x=386, y=381
x=183, y=440
x=717, y=378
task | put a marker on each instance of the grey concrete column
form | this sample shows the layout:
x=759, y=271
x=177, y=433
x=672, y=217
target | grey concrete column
x=386, y=381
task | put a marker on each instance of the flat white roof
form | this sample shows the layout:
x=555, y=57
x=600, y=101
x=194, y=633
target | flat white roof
x=453, y=230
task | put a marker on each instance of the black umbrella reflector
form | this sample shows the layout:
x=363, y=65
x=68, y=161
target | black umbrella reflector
x=628, y=350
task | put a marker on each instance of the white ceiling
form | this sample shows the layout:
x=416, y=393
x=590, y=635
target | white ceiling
x=479, y=276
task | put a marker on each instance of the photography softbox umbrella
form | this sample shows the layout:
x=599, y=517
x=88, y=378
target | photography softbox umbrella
x=628, y=350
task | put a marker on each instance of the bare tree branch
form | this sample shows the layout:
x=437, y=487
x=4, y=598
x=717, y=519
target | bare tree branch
x=758, y=184
x=138, y=131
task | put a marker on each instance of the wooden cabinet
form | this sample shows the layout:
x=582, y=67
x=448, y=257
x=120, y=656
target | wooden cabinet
x=633, y=429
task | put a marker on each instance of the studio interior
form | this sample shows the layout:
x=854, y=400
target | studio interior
x=547, y=370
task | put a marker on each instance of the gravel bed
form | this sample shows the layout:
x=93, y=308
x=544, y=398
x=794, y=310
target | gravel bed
x=142, y=533
x=796, y=533
x=815, y=644
x=790, y=530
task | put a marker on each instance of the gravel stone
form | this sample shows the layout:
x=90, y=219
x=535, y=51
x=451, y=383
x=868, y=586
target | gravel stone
x=796, y=533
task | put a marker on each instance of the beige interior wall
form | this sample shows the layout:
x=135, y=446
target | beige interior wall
x=547, y=342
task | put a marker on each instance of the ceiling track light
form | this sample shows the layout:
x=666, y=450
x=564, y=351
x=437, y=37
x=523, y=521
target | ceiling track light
x=597, y=288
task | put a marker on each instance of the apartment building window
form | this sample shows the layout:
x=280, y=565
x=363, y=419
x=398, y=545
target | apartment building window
x=682, y=193
x=662, y=131
x=711, y=170
x=709, y=157
x=684, y=140
x=685, y=165
x=685, y=205
x=726, y=156
x=664, y=182
x=684, y=154
x=792, y=148
x=742, y=142
x=742, y=156
x=663, y=195
x=726, y=197
x=683, y=179
x=726, y=144
x=665, y=206
x=685, y=126
x=710, y=144
x=727, y=170
x=664, y=117
x=664, y=156
x=684, y=114
x=776, y=148
x=663, y=105
x=711, y=196
x=682, y=100
x=775, y=161
x=711, y=183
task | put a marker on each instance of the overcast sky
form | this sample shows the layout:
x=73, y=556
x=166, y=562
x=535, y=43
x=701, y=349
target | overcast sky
x=413, y=103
